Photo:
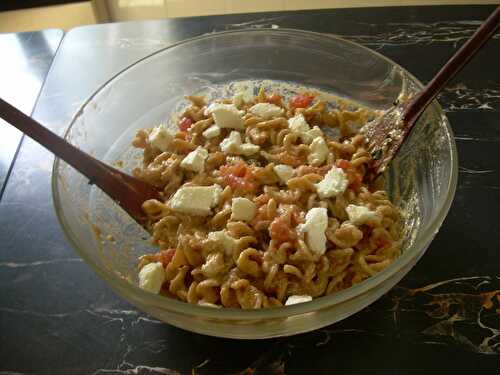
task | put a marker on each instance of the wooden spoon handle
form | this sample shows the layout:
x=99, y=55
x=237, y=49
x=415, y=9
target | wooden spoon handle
x=420, y=102
x=86, y=164
x=127, y=191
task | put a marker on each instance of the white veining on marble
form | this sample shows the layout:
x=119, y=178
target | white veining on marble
x=460, y=313
x=261, y=23
x=202, y=364
x=101, y=310
x=411, y=33
x=466, y=137
x=452, y=311
x=147, y=320
x=107, y=314
x=475, y=171
x=38, y=263
x=138, y=370
x=486, y=346
x=448, y=307
x=125, y=367
x=256, y=24
x=125, y=320
x=460, y=97
x=37, y=314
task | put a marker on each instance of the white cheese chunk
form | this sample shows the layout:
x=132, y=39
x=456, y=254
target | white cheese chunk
x=195, y=200
x=334, y=183
x=231, y=144
x=248, y=149
x=284, y=172
x=151, y=277
x=226, y=115
x=359, y=215
x=213, y=264
x=314, y=229
x=195, y=160
x=216, y=191
x=242, y=209
x=266, y=111
x=293, y=300
x=314, y=133
x=318, y=152
x=298, y=124
x=211, y=132
x=228, y=243
x=242, y=97
x=160, y=138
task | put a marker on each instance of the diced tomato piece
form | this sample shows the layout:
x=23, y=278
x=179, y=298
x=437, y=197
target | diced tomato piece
x=355, y=178
x=185, y=123
x=274, y=99
x=296, y=219
x=240, y=169
x=344, y=164
x=165, y=256
x=301, y=101
x=280, y=230
x=238, y=176
x=256, y=258
x=238, y=183
x=382, y=241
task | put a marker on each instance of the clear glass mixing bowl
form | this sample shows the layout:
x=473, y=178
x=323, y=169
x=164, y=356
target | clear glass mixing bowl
x=422, y=180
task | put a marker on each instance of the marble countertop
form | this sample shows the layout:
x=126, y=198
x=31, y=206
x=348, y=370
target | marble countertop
x=58, y=317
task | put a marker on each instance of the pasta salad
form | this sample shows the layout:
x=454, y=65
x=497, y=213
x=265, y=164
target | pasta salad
x=265, y=202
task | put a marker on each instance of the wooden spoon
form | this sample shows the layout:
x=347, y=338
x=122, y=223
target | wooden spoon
x=386, y=135
x=129, y=192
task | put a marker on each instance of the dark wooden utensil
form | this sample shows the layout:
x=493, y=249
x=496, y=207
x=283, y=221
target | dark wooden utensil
x=125, y=190
x=387, y=134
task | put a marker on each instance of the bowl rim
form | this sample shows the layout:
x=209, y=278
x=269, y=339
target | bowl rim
x=175, y=306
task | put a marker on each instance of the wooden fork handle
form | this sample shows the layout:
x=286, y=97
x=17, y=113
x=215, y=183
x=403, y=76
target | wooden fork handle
x=420, y=102
x=127, y=191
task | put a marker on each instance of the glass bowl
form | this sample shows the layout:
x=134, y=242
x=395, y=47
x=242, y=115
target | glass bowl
x=422, y=179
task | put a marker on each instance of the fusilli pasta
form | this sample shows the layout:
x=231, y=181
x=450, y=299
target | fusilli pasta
x=299, y=228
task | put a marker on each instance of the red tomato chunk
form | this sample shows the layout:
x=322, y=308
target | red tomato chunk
x=185, y=123
x=280, y=230
x=301, y=101
x=165, y=256
x=238, y=176
x=274, y=99
x=355, y=178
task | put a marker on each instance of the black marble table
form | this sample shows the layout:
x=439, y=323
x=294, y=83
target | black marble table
x=58, y=317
